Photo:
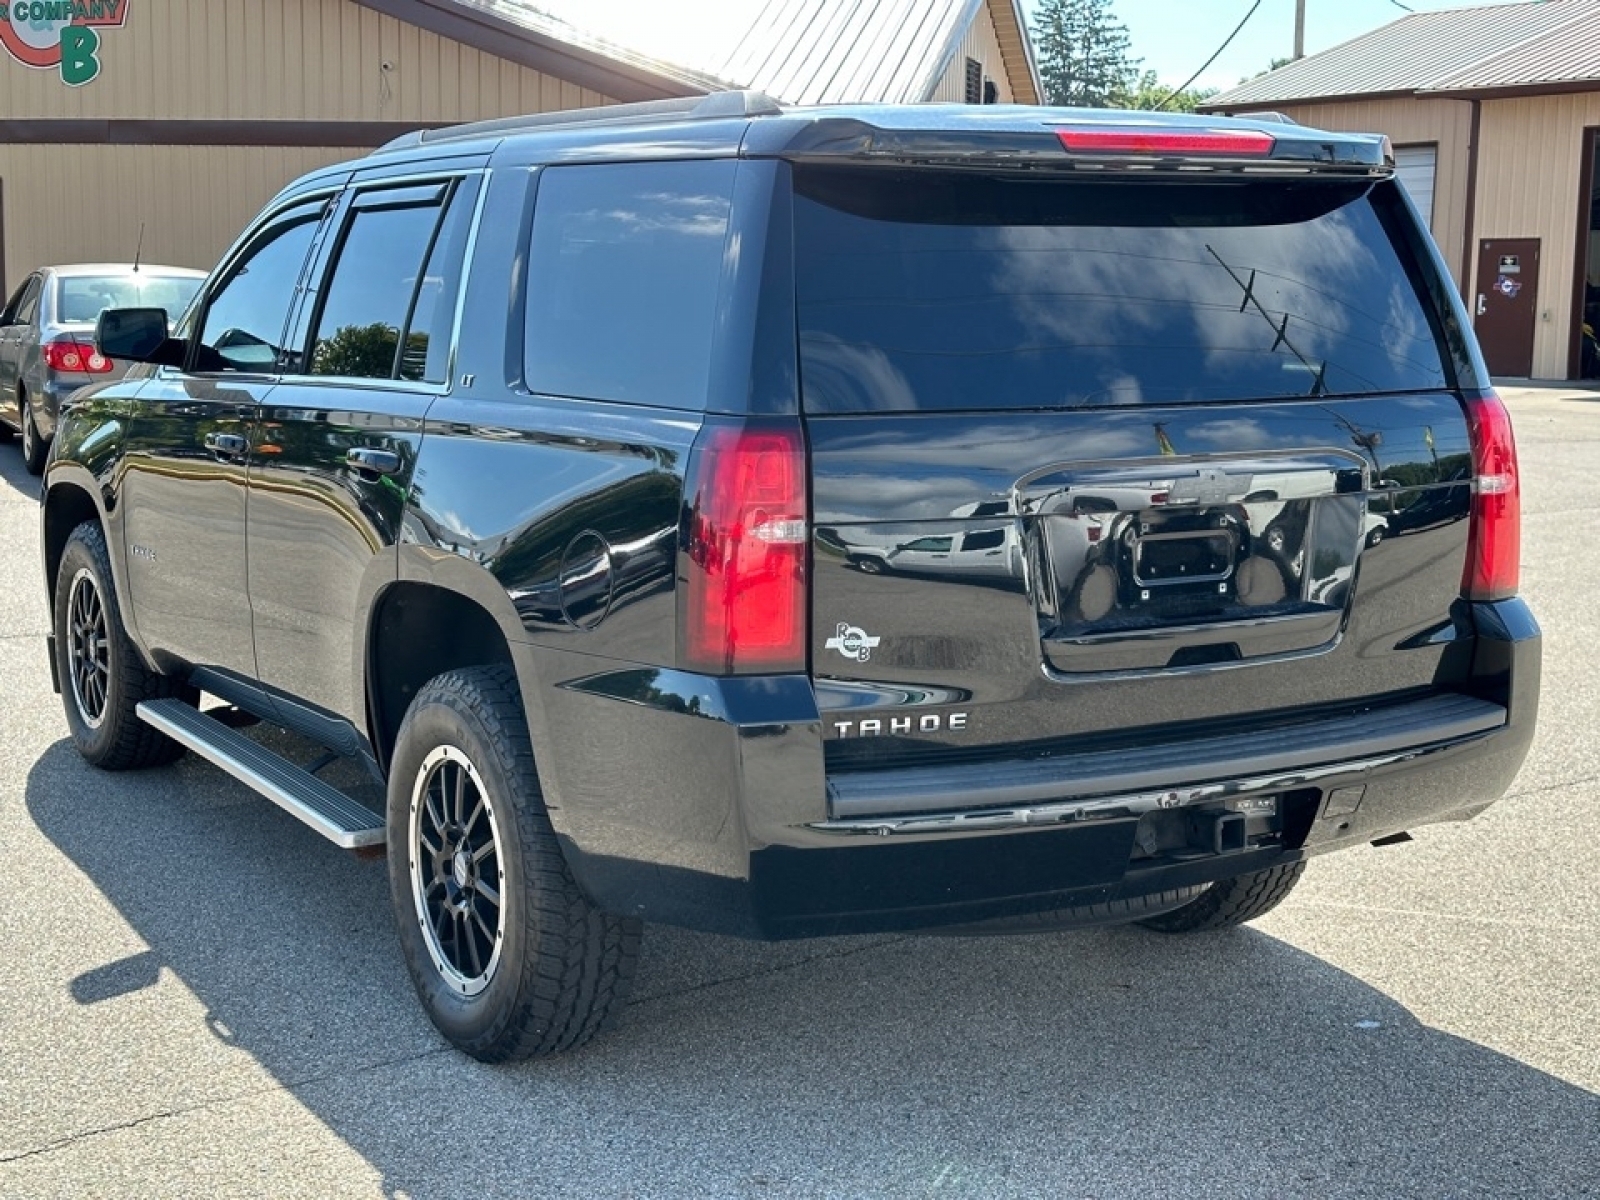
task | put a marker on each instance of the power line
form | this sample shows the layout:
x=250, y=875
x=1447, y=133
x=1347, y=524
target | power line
x=1226, y=42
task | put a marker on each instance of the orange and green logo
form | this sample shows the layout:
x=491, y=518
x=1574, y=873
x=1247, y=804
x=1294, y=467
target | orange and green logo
x=59, y=35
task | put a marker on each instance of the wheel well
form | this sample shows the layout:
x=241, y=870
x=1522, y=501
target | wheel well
x=419, y=631
x=65, y=508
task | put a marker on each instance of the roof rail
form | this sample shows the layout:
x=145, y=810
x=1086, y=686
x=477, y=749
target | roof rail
x=712, y=107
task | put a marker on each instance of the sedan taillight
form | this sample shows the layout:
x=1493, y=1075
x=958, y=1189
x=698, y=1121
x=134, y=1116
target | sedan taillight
x=79, y=357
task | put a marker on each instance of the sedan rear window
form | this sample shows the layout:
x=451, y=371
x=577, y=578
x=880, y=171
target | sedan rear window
x=80, y=298
x=930, y=290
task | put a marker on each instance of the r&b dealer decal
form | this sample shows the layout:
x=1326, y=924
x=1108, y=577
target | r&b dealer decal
x=59, y=35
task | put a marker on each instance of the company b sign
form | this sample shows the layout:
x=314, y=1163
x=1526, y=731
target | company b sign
x=59, y=35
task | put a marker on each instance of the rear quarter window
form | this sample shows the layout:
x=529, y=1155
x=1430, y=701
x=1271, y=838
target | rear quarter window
x=624, y=275
x=925, y=290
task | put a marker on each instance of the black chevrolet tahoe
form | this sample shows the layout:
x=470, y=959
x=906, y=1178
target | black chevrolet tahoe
x=789, y=522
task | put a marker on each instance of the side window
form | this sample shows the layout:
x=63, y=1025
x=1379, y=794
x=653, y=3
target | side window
x=247, y=310
x=390, y=300
x=984, y=539
x=433, y=314
x=624, y=274
x=28, y=308
x=8, y=314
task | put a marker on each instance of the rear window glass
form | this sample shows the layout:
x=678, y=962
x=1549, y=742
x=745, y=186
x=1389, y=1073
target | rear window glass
x=624, y=275
x=397, y=269
x=941, y=291
x=80, y=298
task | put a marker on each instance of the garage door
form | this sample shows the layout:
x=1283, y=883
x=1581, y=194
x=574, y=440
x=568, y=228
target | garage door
x=1414, y=165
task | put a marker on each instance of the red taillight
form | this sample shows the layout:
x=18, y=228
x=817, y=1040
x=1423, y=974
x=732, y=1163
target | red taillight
x=1231, y=143
x=745, y=600
x=1494, y=539
x=74, y=356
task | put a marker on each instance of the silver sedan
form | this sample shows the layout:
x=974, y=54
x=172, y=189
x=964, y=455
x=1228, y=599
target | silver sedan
x=47, y=339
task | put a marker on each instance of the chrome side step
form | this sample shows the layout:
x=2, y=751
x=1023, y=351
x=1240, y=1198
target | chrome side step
x=337, y=817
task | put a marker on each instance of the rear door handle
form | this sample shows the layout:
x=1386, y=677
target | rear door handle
x=377, y=462
x=226, y=443
x=1483, y=304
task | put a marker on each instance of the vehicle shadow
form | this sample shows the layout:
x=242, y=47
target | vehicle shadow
x=13, y=474
x=1103, y=1063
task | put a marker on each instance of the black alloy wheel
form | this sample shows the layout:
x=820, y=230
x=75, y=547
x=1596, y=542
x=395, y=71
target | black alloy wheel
x=88, y=648
x=456, y=872
x=510, y=958
x=103, y=679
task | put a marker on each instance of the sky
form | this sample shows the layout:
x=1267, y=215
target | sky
x=1175, y=36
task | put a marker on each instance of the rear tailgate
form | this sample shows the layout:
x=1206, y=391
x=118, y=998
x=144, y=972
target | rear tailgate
x=1097, y=463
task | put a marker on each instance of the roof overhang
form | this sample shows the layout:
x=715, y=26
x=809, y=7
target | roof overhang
x=1507, y=92
x=1565, y=87
x=621, y=76
x=1016, y=50
x=1276, y=105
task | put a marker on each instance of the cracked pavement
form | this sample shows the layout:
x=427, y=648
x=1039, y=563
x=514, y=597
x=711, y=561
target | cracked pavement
x=205, y=999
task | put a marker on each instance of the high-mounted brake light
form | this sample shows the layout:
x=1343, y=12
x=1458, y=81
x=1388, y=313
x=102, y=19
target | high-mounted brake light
x=74, y=356
x=1181, y=143
x=1494, y=537
x=745, y=596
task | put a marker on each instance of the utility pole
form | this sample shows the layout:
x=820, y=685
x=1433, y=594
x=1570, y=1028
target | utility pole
x=1299, y=29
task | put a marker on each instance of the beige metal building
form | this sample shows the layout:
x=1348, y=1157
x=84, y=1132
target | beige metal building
x=1494, y=113
x=180, y=118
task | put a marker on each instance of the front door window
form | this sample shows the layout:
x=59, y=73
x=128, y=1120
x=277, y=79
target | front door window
x=247, y=312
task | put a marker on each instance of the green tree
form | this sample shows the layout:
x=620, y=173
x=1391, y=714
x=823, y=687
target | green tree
x=1272, y=66
x=367, y=352
x=1083, y=54
x=1149, y=92
x=363, y=351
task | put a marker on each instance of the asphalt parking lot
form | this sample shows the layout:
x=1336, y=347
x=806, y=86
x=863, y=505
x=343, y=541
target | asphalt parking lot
x=204, y=998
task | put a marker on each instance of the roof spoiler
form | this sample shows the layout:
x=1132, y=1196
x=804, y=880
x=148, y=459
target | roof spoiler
x=1113, y=142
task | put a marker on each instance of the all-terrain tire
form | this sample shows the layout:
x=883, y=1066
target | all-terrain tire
x=555, y=970
x=103, y=679
x=1077, y=916
x=35, y=449
x=1231, y=902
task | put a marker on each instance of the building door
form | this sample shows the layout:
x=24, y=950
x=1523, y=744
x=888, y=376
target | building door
x=1503, y=315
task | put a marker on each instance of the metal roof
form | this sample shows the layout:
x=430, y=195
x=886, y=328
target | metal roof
x=1417, y=53
x=546, y=21
x=1570, y=54
x=828, y=51
x=798, y=51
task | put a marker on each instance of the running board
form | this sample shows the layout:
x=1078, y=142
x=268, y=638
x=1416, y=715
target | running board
x=337, y=817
